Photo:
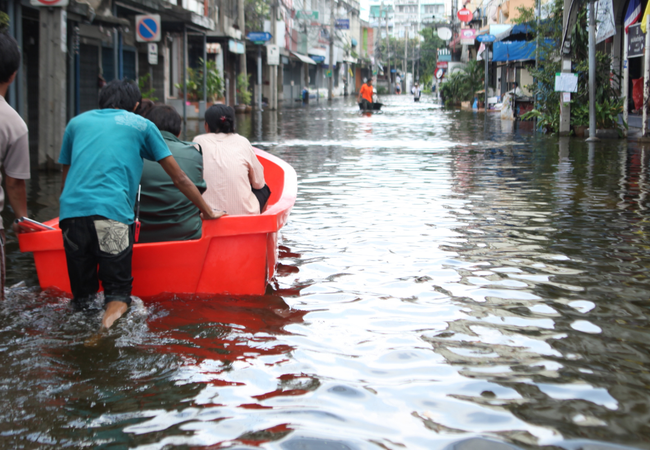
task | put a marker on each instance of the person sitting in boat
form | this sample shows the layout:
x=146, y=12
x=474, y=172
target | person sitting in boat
x=101, y=157
x=365, y=95
x=234, y=176
x=165, y=213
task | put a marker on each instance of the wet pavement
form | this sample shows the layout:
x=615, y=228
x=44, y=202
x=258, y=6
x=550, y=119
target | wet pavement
x=446, y=281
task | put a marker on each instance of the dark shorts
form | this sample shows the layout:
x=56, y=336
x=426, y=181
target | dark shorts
x=98, y=249
x=2, y=264
x=262, y=196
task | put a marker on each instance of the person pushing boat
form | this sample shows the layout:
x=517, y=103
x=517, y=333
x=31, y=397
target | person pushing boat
x=365, y=95
x=102, y=157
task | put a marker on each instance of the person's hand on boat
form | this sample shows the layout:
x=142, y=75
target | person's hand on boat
x=213, y=214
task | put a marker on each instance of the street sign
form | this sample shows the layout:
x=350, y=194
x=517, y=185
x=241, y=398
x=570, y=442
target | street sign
x=342, y=24
x=317, y=58
x=259, y=36
x=444, y=33
x=48, y=2
x=486, y=38
x=273, y=55
x=635, y=41
x=307, y=15
x=152, y=53
x=147, y=28
x=464, y=15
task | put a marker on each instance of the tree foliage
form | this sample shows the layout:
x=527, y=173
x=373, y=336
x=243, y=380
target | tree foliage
x=462, y=85
x=429, y=54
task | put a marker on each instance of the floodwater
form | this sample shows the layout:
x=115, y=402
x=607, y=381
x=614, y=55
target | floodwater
x=443, y=277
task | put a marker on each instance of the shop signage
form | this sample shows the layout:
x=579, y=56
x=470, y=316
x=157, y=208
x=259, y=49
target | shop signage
x=152, y=53
x=307, y=15
x=440, y=73
x=464, y=15
x=317, y=58
x=467, y=36
x=444, y=54
x=635, y=41
x=259, y=36
x=442, y=64
x=236, y=47
x=343, y=24
x=273, y=55
x=486, y=38
x=444, y=33
x=147, y=28
x=48, y=2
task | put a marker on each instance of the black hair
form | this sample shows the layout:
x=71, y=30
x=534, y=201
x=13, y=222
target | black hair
x=120, y=94
x=145, y=107
x=220, y=119
x=9, y=56
x=166, y=118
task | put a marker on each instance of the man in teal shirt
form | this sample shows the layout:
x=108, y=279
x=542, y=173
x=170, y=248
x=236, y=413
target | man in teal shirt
x=165, y=213
x=101, y=158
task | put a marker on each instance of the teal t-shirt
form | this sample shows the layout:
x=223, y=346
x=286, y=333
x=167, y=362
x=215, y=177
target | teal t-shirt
x=104, y=149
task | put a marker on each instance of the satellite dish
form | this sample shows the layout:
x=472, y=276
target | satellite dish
x=444, y=33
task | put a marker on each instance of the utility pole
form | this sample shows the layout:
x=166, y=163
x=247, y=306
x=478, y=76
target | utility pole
x=565, y=108
x=592, y=71
x=330, y=84
x=388, y=54
x=241, y=22
x=406, y=45
x=273, y=95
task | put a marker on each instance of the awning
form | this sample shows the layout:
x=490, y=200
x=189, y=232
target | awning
x=303, y=58
x=516, y=50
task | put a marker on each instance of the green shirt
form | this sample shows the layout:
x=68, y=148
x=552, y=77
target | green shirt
x=165, y=213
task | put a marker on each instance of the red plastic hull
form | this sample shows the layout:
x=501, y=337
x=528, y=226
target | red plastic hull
x=235, y=255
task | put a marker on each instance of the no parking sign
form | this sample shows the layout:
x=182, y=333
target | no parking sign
x=147, y=28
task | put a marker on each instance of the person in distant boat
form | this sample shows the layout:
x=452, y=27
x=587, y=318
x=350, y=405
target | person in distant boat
x=234, y=175
x=101, y=158
x=165, y=213
x=365, y=95
x=14, y=146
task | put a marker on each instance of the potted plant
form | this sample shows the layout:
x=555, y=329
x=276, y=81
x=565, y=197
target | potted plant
x=243, y=94
x=579, y=118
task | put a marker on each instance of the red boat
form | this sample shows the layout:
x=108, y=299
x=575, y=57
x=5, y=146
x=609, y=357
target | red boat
x=235, y=254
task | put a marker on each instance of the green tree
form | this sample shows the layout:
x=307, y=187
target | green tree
x=4, y=21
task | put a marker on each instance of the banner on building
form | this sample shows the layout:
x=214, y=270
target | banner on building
x=605, y=24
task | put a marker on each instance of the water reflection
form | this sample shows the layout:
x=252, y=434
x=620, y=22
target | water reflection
x=443, y=276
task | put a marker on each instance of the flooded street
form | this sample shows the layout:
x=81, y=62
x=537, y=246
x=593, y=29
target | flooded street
x=442, y=277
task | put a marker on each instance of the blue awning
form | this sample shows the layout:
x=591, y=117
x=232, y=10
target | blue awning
x=516, y=50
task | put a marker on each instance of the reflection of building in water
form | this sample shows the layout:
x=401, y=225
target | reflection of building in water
x=554, y=288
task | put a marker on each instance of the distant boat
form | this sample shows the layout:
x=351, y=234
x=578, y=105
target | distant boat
x=373, y=107
x=235, y=254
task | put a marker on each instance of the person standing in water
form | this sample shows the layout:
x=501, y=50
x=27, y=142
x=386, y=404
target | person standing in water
x=102, y=157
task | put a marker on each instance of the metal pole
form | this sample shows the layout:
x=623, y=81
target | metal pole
x=539, y=13
x=241, y=23
x=626, y=75
x=487, y=55
x=646, y=77
x=388, y=54
x=406, y=55
x=259, y=77
x=184, y=82
x=592, y=71
x=205, y=69
x=330, y=84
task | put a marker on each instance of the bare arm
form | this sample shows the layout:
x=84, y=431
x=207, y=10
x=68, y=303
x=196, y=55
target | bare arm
x=185, y=185
x=17, y=196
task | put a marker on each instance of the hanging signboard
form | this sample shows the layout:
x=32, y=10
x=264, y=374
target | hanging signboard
x=152, y=53
x=444, y=54
x=605, y=24
x=444, y=33
x=635, y=41
x=147, y=28
x=464, y=15
x=259, y=36
x=236, y=47
x=307, y=15
x=273, y=55
x=342, y=24
x=467, y=36
x=486, y=38
x=48, y=2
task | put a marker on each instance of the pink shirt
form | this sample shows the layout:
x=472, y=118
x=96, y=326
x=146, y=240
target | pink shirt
x=230, y=168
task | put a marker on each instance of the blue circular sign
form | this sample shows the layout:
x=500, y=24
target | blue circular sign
x=148, y=28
